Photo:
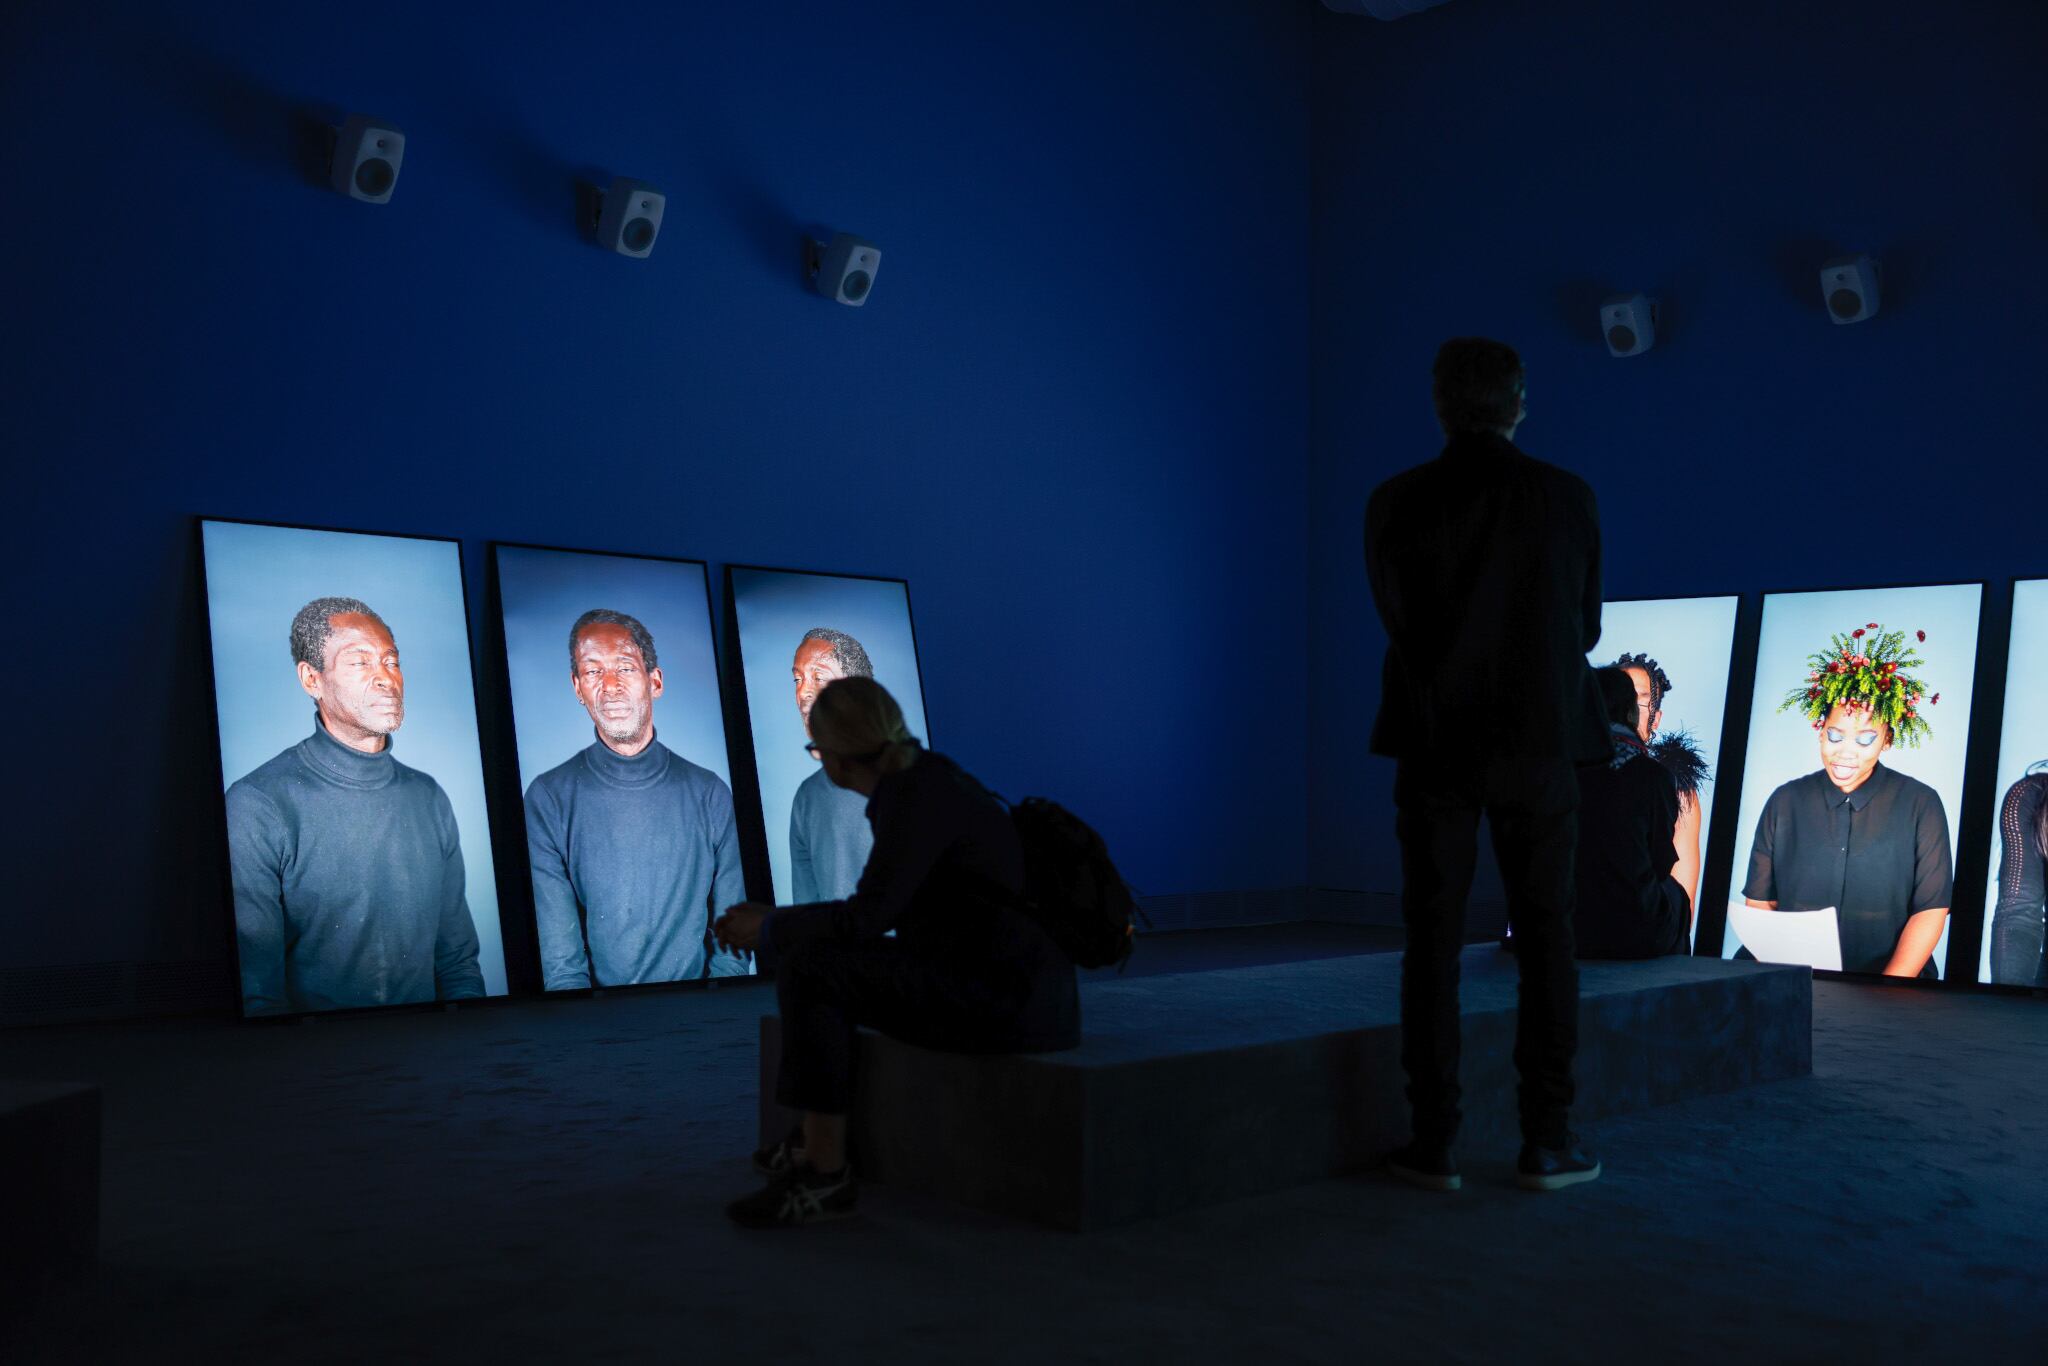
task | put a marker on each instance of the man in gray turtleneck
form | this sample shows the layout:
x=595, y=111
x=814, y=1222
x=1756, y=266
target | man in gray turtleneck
x=346, y=864
x=829, y=836
x=633, y=846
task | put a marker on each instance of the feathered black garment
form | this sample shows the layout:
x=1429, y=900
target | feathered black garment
x=1681, y=757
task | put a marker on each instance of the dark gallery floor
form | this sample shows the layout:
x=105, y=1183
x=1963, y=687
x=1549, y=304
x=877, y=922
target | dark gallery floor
x=542, y=1181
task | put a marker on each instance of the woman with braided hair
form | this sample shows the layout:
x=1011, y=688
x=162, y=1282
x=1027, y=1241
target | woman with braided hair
x=1680, y=756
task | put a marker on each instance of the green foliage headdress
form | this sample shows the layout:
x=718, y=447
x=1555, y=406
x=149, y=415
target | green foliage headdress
x=1867, y=670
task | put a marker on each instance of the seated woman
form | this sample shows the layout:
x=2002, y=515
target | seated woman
x=1629, y=904
x=967, y=970
x=2018, y=919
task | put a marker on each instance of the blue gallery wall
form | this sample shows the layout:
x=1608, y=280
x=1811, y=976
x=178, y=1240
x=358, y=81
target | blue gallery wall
x=1494, y=166
x=1073, y=414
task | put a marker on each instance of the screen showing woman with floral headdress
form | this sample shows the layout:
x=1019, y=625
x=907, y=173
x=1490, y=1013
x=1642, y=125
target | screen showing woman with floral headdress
x=1856, y=681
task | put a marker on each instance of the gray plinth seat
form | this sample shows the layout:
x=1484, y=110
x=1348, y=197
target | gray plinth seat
x=1192, y=1089
x=49, y=1183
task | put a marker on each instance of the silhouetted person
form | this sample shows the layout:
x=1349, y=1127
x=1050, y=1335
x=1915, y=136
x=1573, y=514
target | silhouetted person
x=1629, y=903
x=967, y=971
x=1485, y=567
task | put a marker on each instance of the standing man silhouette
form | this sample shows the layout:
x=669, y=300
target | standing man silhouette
x=1485, y=568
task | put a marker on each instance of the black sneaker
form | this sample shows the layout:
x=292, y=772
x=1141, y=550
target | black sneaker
x=1552, y=1169
x=778, y=1158
x=798, y=1196
x=1433, y=1169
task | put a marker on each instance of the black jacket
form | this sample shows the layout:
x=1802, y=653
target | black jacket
x=1627, y=808
x=946, y=874
x=1485, y=567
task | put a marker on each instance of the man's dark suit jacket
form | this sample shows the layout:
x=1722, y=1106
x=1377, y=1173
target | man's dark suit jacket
x=1485, y=566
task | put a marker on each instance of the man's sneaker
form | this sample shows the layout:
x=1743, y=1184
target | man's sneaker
x=778, y=1158
x=1433, y=1169
x=798, y=1196
x=1552, y=1169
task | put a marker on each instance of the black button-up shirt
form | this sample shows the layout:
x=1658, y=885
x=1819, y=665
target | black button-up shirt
x=1879, y=856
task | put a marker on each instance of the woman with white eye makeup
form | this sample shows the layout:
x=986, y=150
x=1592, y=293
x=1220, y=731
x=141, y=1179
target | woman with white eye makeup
x=1857, y=835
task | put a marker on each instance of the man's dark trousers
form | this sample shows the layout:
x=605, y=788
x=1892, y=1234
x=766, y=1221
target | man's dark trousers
x=1531, y=806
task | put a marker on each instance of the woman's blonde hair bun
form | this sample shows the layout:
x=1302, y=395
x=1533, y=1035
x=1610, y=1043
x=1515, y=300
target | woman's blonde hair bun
x=855, y=718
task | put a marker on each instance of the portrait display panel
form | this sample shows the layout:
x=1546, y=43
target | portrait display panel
x=1677, y=651
x=798, y=632
x=359, y=845
x=627, y=795
x=2013, y=897
x=1853, y=778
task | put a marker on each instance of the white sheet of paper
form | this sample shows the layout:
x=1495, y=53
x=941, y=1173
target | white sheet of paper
x=1811, y=938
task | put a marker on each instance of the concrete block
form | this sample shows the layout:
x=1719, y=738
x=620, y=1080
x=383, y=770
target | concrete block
x=1273, y=1076
x=49, y=1182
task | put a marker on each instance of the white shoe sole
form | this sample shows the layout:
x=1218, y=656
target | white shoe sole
x=1558, y=1182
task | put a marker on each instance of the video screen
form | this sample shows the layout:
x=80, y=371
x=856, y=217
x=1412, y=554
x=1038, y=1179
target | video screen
x=2013, y=901
x=358, y=843
x=798, y=632
x=622, y=762
x=1677, y=651
x=1845, y=857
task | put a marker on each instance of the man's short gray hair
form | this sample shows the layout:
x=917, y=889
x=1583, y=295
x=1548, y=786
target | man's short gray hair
x=852, y=656
x=314, y=624
x=602, y=616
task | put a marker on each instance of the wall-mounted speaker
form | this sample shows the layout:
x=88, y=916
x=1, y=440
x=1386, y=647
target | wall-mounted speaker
x=844, y=269
x=367, y=155
x=1850, y=286
x=629, y=219
x=1628, y=322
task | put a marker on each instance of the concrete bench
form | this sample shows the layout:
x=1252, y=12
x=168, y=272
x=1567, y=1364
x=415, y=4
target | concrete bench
x=49, y=1183
x=1193, y=1089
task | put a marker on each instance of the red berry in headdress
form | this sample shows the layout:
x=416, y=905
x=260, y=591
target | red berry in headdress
x=1922, y=635
x=1856, y=634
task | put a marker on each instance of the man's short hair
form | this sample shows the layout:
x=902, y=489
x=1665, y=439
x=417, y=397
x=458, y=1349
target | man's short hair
x=314, y=625
x=852, y=657
x=1477, y=385
x=643, y=640
x=1617, y=695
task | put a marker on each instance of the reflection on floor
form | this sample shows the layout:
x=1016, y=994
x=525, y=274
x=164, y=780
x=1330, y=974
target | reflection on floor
x=542, y=1180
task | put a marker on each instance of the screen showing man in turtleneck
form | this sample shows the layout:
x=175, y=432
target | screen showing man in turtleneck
x=829, y=835
x=633, y=847
x=346, y=864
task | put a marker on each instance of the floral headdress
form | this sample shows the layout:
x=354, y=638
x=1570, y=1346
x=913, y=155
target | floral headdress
x=1867, y=671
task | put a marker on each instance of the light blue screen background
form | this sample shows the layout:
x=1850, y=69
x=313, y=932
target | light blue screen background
x=258, y=577
x=1782, y=745
x=2023, y=738
x=1694, y=640
x=542, y=593
x=773, y=611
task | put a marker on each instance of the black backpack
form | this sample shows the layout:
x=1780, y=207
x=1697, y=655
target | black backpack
x=1071, y=888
